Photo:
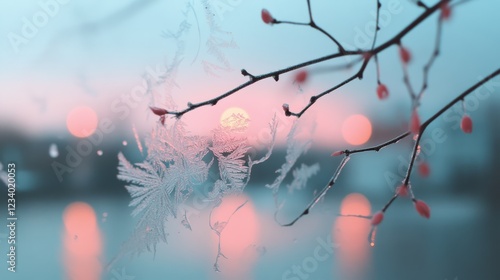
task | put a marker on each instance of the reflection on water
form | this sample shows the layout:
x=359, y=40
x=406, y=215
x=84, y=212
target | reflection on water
x=82, y=243
x=350, y=234
x=458, y=241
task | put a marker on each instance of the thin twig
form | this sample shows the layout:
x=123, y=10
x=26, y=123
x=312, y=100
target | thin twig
x=354, y=216
x=321, y=194
x=406, y=80
x=433, y=57
x=422, y=4
x=390, y=142
x=333, y=68
x=427, y=123
x=315, y=26
x=377, y=27
x=379, y=147
x=275, y=74
x=314, y=98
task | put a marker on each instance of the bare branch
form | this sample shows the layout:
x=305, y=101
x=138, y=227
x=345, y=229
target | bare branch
x=275, y=74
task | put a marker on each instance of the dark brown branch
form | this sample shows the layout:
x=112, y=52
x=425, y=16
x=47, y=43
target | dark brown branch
x=314, y=98
x=377, y=27
x=427, y=123
x=433, y=57
x=354, y=216
x=330, y=69
x=422, y=4
x=440, y=112
x=315, y=26
x=406, y=80
x=275, y=74
x=378, y=147
x=392, y=141
x=255, y=79
x=395, y=40
x=321, y=194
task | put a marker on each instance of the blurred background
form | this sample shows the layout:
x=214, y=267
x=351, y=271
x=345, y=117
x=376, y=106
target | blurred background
x=79, y=76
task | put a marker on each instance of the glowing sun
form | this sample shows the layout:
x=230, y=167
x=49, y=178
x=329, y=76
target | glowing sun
x=235, y=118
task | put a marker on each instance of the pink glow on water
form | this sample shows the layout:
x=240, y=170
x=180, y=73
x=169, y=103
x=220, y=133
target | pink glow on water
x=351, y=235
x=82, y=242
x=239, y=237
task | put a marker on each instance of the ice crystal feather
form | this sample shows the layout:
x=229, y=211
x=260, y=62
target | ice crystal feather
x=160, y=184
x=301, y=176
x=176, y=163
x=230, y=149
x=293, y=151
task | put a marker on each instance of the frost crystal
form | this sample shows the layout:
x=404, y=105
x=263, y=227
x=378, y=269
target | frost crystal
x=230, y=149
x=176, y=163
x=294, y=150
x=301, y=176
x=162, y=182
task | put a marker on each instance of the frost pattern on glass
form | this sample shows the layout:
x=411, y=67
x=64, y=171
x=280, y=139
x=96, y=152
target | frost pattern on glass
x=218, y=227
x=160, y=184
x=301, y=176
x=294, y=150
x=230, y=149
x=176, y=163
x=217, y=42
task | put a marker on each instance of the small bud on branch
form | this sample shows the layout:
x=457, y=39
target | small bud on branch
x=445, y=11
x=377, y=218
x=301, y=76
x=466, y=124
x=382, y=91
x=422, y=208
x=267, y=18
x=158, y=111
x=404, y=54
x=338, y=153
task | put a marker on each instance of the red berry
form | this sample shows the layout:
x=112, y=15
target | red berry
x=415, y=122
x=404, y=54
x=158, y=111
x=424, y=169
x=377, y=218
x=382, y=91
x=466, y=124
x=266, y=17
x=301, y=76
x=402, y=190
x=445, y=11
x=422, y=208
